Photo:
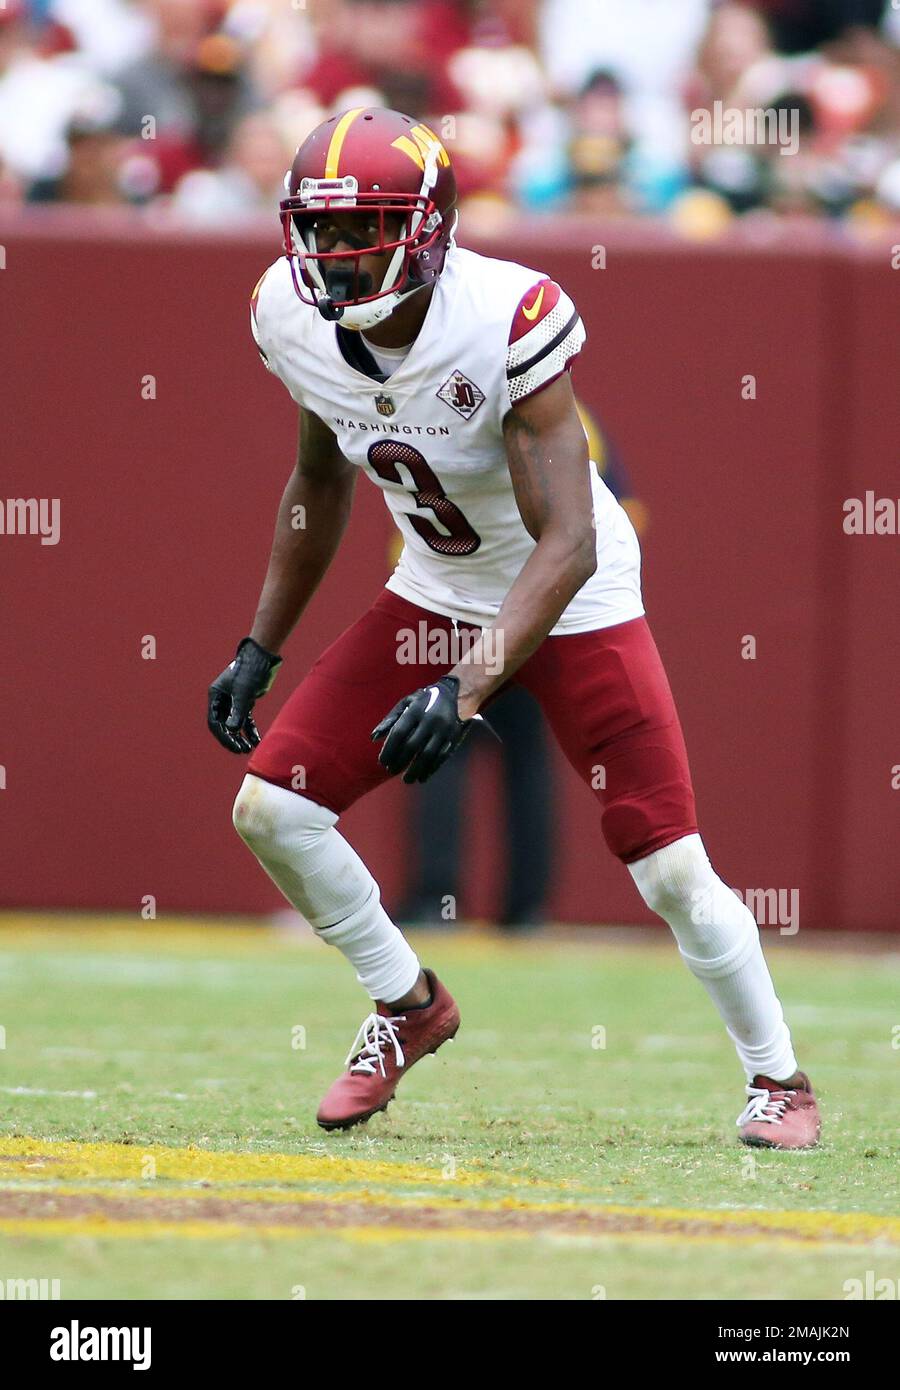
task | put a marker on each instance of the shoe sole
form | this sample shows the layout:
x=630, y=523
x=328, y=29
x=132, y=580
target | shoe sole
x=754, y=1143
x=349, y=1123
x=354, y=1119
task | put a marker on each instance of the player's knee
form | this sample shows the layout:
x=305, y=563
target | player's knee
x=675, y=880
x=273, y=821
x=252, y=815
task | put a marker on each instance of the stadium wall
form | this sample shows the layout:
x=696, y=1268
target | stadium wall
x=112, y=789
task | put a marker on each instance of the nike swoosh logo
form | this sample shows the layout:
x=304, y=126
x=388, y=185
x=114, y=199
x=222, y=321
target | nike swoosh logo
x=535, y=309
x=433, y=694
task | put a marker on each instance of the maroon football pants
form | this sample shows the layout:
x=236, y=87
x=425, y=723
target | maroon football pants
x=604, y=693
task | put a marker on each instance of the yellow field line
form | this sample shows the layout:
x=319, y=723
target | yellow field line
x=99, y=1227
x=27, y=1156
x=45, y=1165
x=104, y=1170
x=797, y=1225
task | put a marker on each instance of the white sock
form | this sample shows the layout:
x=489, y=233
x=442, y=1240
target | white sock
x=316, y=869
x=719, y=940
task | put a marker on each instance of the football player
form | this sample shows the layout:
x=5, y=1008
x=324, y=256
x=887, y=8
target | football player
x=443, y=375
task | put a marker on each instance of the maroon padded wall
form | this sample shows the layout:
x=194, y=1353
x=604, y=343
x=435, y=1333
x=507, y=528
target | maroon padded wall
x=115, y=790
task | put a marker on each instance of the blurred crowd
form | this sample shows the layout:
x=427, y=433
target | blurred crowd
x=193, y=108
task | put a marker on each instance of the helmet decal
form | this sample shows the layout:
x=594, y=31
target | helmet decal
x=419, y=147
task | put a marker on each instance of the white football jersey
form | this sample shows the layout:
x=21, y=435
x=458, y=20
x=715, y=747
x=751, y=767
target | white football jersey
x=431, y=437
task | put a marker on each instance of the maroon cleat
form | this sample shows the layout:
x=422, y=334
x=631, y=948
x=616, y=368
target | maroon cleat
x=776, y=1118
x=386, y=1046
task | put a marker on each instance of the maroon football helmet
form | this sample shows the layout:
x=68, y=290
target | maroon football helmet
x=393, y=175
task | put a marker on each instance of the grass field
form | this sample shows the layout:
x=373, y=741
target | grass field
x=157, y=1137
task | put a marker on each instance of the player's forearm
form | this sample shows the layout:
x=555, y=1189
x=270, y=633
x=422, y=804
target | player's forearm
x=547, y=454
x=552, y=576
x=311, y=520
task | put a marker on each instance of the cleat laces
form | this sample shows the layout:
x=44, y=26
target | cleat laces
x=375, y=1034
x=766, y=1106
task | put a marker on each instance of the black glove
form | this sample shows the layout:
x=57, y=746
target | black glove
x=423, y=729
x=232, y=695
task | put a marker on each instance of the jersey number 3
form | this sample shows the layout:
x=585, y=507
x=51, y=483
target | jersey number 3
x=461, y=538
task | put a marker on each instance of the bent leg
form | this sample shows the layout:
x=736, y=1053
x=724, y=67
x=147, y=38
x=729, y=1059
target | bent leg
x=609, y=702
x=315, y=761
x=719, y=942
x=296, y=843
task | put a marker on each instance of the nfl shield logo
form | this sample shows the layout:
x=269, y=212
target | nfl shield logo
x=385, y=405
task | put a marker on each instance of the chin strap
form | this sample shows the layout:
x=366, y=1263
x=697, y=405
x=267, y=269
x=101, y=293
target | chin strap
x=358, y=317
